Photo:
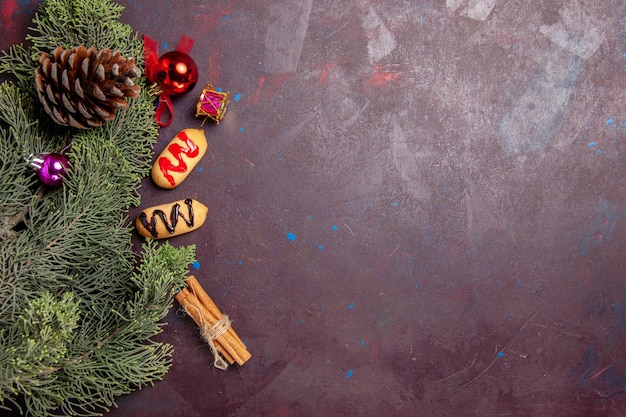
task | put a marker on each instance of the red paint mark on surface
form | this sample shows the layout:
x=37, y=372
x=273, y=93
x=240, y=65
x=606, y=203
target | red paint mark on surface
x=15, y=16
x=212, y=17
x=267, y=87
x=177, y=150
x=376, y=351
x=8, y=11
x=257, y=94
x=458, y=296
x=382, y=77
x=325, y=72
x=504, y=39
x=213, y=67
x=10, y=6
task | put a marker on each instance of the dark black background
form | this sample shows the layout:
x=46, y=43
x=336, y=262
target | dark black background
x=416, y=208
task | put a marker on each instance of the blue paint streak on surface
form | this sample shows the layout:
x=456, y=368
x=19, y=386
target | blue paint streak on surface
x=164, y=45
x=196, y=265
x=241, y=130
x=200, y=169
x=334, y=227
x=351, y=306
x=619, y=309
x=320, y=247
x=592, y=144
x=615, y=380
x=291, y=236
x=602, y=226
x=588, y=364
x=237, y=97
x=500, y=354
x=349, y=373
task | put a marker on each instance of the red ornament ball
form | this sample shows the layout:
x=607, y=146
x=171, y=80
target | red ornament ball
x=177, y=73
x=50, y=168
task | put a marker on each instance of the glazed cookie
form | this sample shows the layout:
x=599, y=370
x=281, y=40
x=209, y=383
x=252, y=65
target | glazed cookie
x=179, y=158
x=173, y=219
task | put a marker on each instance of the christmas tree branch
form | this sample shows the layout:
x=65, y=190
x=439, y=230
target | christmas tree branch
x=78, y=309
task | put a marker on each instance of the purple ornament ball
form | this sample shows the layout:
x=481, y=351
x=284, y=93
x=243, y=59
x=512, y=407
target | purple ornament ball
x=51, y=169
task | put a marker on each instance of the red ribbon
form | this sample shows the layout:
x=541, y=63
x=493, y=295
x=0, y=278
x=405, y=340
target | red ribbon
x=151, y=52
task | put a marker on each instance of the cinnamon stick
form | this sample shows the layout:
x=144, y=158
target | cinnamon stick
x=240, y=349
x=203, y=319
x=205, y=313
x=206, y=301
x=225, y=344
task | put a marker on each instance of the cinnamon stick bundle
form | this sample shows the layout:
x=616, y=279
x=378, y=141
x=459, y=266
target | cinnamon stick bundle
x=214, y=326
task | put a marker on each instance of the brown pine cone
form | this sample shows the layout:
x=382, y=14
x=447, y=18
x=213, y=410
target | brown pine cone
x=83, y=87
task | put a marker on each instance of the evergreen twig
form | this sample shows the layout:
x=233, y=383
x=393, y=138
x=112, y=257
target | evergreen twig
x=78, y=309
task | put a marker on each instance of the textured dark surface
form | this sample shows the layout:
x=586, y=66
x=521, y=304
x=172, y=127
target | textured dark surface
x=417, y=208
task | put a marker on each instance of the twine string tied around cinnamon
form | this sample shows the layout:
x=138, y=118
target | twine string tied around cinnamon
x=210, y=333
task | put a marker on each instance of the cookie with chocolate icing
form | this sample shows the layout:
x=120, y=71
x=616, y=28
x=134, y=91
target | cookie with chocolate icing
x=172, y=219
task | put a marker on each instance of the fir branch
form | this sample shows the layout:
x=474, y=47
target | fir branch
x=40, y=340
x=121, y=358
x=18, y=61
x=76, y=318
x=20, y=136
x=70, y=23
x=19, y=116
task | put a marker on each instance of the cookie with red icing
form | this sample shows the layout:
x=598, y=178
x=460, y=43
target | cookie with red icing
x=179, y=158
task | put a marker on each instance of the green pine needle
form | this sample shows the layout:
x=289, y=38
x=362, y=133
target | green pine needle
x=78, y=309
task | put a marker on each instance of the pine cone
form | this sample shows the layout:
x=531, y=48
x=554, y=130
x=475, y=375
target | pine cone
x=83, y=87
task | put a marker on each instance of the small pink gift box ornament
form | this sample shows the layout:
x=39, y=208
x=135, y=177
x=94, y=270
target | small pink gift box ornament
x=211, y=104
